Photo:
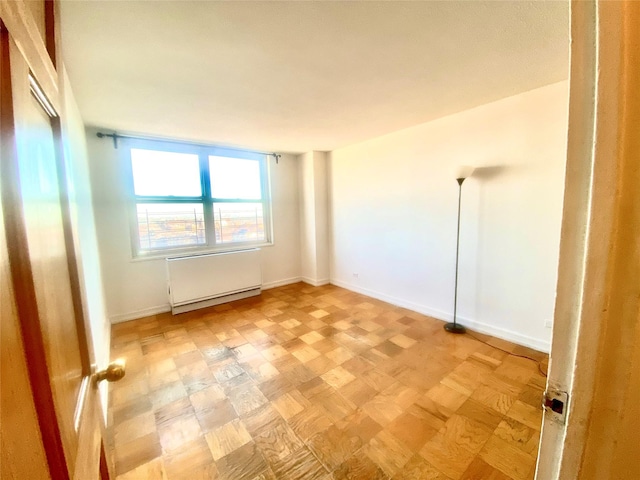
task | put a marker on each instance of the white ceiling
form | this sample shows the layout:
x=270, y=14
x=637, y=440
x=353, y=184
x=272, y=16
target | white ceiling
x=300, y=76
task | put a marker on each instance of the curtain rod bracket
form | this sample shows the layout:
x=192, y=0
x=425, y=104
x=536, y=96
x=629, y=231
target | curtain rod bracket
x=112, y=135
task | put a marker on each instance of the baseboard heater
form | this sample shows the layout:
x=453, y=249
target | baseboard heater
x=204, y=280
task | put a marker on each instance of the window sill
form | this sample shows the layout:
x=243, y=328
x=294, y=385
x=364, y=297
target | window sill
x=196, y=251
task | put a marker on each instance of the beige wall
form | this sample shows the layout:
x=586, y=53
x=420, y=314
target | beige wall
x=136, y=288
x=393, y=209
x=314, y=249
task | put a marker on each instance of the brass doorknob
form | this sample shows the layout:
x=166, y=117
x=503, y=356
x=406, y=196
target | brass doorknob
x=114, y=372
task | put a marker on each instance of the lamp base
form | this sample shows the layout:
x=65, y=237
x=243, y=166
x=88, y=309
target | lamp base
x=454, y=328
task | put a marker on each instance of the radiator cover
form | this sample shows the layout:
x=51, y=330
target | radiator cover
x=204, y=280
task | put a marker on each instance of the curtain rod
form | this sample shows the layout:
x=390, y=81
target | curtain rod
x=115, y=136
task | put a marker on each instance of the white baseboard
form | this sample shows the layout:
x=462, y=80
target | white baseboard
x=125, y=317
x=508, y=335
x=499, y=332
x=505, y=334
x=315, y=283
x=416, y=307
x=189, y=307
x=281, y=283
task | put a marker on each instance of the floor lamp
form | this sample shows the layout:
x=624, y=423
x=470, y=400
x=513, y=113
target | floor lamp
x=453, y=327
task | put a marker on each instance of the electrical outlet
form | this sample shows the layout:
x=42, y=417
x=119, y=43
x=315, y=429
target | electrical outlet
x=548, y=323
x=355, y=275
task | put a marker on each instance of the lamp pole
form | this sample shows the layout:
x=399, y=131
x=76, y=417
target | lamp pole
x=453, y=327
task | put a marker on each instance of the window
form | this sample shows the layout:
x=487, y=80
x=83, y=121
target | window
x=197, y=198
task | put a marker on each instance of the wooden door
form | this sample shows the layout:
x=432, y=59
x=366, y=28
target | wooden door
x=46, y=315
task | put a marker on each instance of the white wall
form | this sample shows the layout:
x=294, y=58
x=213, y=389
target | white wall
x=84, y=232
x=322, y=216
x=308, y=266
x=136, y=288
x=393, y=204
x=314, y=247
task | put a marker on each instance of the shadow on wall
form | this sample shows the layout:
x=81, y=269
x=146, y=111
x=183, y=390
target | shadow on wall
x=489, y=173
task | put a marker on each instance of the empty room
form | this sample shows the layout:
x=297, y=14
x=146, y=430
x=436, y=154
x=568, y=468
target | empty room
x=320, y=240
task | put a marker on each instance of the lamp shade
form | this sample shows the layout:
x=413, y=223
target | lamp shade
x=464, y=171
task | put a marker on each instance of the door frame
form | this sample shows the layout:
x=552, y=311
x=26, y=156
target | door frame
x=595, y=352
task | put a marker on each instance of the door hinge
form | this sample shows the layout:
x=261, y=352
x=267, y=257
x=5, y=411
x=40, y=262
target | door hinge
x=555, y=404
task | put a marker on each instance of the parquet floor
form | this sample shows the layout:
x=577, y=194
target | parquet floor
x=319, y=383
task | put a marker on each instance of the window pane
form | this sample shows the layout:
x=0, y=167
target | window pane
x=234, y=178
x=163, y=174
x=170, y=225
x=238, y=222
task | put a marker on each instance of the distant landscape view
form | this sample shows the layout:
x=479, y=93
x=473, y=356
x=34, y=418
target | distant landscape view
x=164, y=225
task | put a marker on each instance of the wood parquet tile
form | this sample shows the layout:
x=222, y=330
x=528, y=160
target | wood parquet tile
x=307, y=383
